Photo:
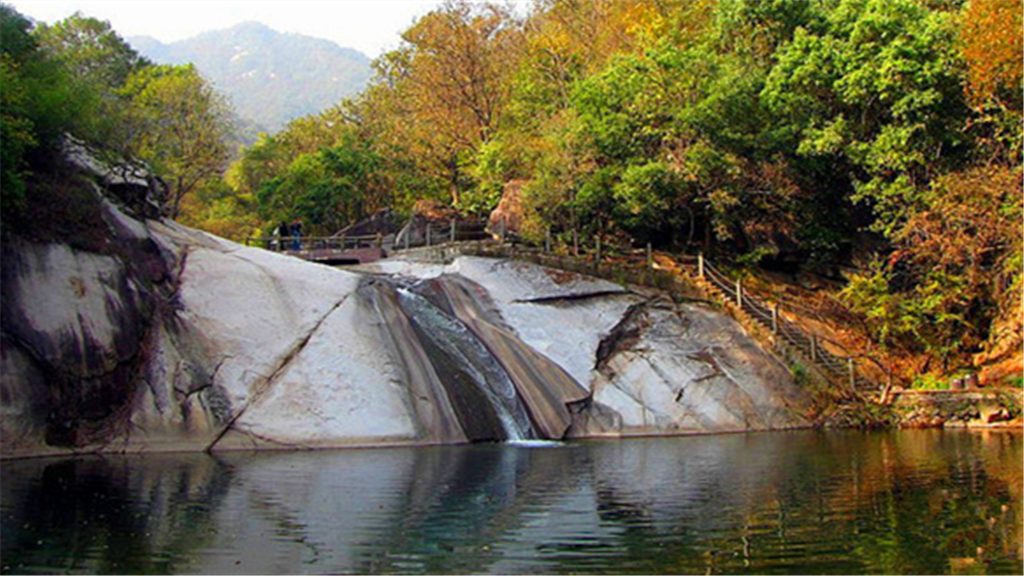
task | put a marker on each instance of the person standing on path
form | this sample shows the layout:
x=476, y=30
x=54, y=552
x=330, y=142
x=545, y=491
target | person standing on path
x=282, y=232
x=296, y=234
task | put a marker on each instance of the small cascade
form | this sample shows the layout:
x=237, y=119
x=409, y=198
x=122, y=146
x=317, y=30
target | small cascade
x=462, y=363
x=470, y=376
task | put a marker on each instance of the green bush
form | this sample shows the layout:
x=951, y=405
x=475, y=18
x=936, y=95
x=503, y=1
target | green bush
x=930, y=382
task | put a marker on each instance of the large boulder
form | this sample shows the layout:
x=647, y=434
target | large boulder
x=439, y=219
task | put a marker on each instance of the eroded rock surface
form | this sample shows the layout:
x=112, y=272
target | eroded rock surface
x=651, y=366
x=176, y=339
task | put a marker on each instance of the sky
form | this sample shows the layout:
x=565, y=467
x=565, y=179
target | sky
x=370, y=26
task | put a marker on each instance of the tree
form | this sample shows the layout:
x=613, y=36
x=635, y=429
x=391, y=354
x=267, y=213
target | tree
x=956, y=270
x=451, y=81
x=993, y=46
x=328, y=189
x=878, y=95
x=40, y=101
x=178, y=125
x=91, y=50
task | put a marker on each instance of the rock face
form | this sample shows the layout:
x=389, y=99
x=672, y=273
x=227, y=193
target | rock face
x=180, y=340
x=650, y=366
x=508, y=214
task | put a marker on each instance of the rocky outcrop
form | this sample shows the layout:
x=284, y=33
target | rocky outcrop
x=650, y=366
x=382, y=222
x=508, y=214
x=431, y=223
x=176, y=339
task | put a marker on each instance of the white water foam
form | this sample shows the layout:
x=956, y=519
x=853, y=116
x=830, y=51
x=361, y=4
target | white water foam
x=535, y=443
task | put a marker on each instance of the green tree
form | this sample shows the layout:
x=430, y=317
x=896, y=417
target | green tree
x=178, y=124
x=328, y=189
x=39, y=102
x=91, y=50
x=879, y=95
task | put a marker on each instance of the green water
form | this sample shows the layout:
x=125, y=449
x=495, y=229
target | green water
x=797, y=502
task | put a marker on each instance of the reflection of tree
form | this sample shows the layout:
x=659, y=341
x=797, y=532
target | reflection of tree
x=109, y=514
x=919, y=499
x=765, y=503
x=832, y=503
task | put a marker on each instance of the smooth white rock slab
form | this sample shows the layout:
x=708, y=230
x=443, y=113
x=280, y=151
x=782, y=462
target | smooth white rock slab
x=342, y=387
x=255, y=309
x=543, y=308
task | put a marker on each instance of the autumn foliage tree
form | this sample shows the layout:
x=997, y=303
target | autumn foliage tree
x=992, y=41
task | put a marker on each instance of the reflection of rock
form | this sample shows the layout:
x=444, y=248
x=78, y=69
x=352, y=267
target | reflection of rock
x=118, y=509
x=654, y=505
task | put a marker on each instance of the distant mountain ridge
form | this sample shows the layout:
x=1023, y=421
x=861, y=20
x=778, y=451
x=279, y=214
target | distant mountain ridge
x=271, y=77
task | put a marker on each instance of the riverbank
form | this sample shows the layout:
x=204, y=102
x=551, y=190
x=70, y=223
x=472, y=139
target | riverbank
x=980, y=408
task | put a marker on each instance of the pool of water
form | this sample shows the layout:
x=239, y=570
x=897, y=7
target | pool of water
x=790, y=502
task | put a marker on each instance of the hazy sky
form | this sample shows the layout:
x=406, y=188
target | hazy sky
x=370, y=26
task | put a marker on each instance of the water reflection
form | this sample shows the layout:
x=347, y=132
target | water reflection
x=908, y=502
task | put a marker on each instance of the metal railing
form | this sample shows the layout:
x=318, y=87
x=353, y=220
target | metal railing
x=434, y=234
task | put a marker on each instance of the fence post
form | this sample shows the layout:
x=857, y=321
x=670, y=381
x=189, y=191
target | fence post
x=650, y=256
x=775, y=318
x=853, y=373
x=575, y=243
x=547, y=240
x=453, y=230
x=814, y=348
x=739, y=293
x=428, y=234
x=597, y=254
x=700, y=265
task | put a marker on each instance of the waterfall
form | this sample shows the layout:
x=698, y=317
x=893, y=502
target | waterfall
x=470, y=376
x=462, y=362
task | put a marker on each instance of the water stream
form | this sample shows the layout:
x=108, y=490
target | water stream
x=458, y=353
x=471, y=378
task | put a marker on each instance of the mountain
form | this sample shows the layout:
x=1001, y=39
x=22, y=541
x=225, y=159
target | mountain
x=271, y=77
